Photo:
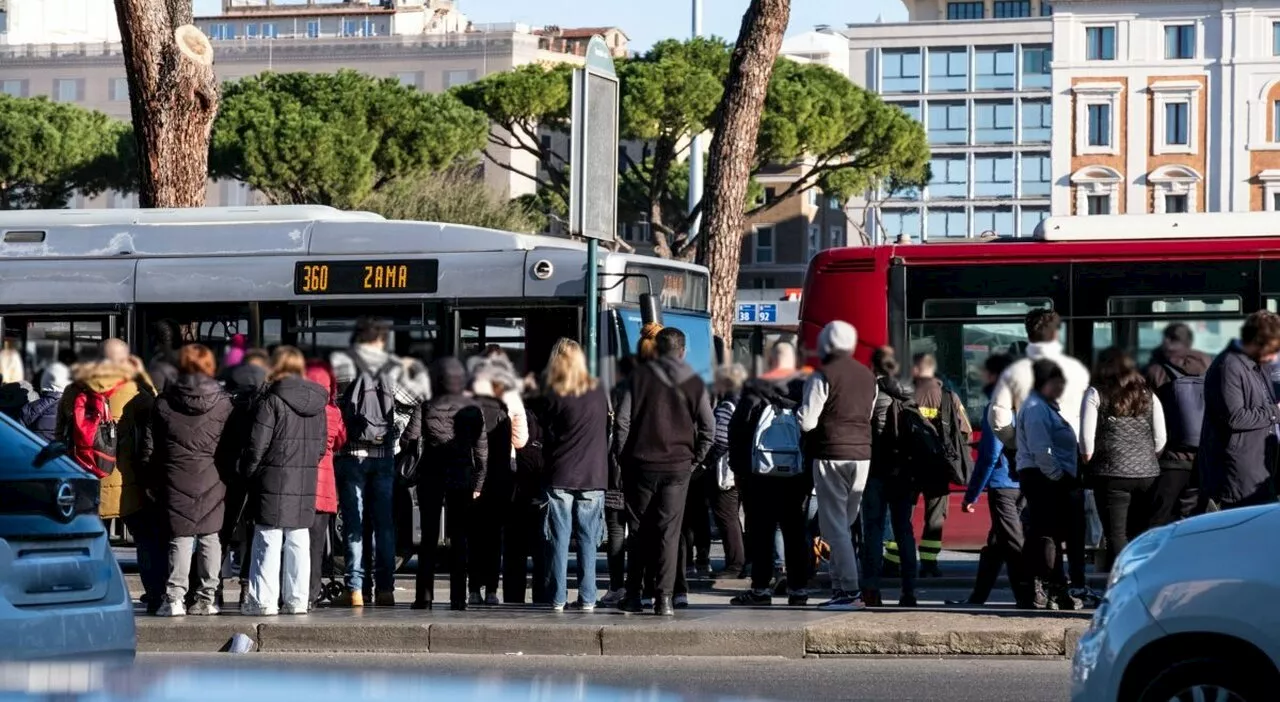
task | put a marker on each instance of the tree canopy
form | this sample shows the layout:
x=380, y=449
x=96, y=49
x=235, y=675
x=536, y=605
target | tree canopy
x=458, y=195
x=335, y=138
x=849, y=139
x=51, y=150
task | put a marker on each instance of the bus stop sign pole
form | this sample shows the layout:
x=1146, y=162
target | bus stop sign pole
x=593, y=164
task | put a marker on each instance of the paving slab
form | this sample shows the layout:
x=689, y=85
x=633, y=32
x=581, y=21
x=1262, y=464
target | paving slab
x=884, y=632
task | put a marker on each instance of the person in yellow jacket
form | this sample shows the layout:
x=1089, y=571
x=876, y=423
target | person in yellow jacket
x=122, y=382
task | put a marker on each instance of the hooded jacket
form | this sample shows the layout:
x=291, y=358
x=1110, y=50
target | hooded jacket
x=886, y=463
x=186, y=451
x=281, y=461
x=663, y=419
x=122, y=491
x=455, y=446
x=41, y=416
x=499, y=480
x=326, y=486
x=756, y=393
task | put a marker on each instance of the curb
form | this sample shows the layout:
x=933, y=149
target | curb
x=836, y=637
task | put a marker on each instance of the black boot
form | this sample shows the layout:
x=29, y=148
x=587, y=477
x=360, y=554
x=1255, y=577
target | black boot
x=663, y=607
x=632, y=604
x=989, y=563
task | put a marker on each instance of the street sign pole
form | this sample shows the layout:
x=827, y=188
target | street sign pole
x=695, y=149
x=593, y=170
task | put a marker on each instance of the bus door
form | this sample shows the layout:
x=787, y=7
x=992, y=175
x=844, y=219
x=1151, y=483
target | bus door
x=72, y=336
x=525, y=334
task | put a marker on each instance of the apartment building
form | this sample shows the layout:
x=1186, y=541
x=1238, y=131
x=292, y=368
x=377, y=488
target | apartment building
x=1173, y=106
x=427, y=44
x=977, y=75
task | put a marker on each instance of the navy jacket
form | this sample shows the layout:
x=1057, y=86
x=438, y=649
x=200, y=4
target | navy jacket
x=41, y=416
x=1237, y=440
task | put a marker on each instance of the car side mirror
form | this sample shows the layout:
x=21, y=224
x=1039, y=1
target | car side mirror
x=51, y=451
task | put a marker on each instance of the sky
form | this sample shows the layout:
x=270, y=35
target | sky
x=650, y=20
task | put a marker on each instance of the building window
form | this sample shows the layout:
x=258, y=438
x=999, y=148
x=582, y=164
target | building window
x=411, y=79
x=948, y=123
x=1176, y=131
x=900, y=72
x=1037, y=175
x=948, y=70
x=1046, y=8
x=943, y=224
x=994, y=70
x=1097, y=190
x=997, y=220
x=764, y=244
x=950, y=177
x=815, y=241
x=1037, y=121
x=222, y=31
x=993, y=122
x=1100, y=43
x=1098, y=204
x=1099, y=125
x=1030, y=217
x=456, y=78
x=1180, y=41
x=1275, y=38
x=911, y=108
x=901, y=224
x=313, y=28
x=251, y=31
x=811, y=197
x=964, y=10
x=119, y=90
x=14, y=88
x=835, y=236
x=67, y=90
x=993, y=175
x=1175, y=204
x=269, y=30
x=1036, y=67
x=1011, y=8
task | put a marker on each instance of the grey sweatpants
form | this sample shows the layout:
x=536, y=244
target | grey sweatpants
x=208, y=566
x=839, y=486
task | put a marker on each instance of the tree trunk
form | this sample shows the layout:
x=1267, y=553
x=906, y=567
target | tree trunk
x=173, y=94
x=733, y=149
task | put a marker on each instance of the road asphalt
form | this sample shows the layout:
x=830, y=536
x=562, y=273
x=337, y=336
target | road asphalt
x=663, y=679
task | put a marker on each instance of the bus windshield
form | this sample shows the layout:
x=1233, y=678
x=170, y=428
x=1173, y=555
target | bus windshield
x=697, y=331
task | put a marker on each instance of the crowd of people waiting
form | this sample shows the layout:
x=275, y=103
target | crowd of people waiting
x=258, y=456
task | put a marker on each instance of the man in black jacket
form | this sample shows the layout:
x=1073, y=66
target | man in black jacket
x=664, y=427
x=1238, y=438
x=1177, y=488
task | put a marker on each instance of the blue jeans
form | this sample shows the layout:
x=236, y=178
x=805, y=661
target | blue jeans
x=883, y=503
x=580, y=512
x=368, y=481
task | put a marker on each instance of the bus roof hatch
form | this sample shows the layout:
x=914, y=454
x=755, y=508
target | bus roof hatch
x=1136, y=227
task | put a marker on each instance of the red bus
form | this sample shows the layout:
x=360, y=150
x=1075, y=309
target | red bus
x=1114, y=279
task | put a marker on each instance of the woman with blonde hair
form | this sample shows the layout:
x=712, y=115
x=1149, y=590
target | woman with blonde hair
x=576, y=447
x=647, y=348
x=289, y=437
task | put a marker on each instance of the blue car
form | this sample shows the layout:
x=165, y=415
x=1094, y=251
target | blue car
x=62, y=595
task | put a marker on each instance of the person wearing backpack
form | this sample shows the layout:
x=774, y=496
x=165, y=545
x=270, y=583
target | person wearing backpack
x=368, y=377
x=1176, y=375
x=890, y=494
x=490, y=380
x=835, y=416
x=664, y=427
x=1122, y=430
x=946, y=412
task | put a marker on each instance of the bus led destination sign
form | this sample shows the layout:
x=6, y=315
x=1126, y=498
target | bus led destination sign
x=366, y=277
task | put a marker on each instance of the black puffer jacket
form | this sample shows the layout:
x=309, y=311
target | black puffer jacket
x=884, y=451
x=185, y=451
x=456, y=448
x=41, y=416
x=288, y=439
x=499, y=481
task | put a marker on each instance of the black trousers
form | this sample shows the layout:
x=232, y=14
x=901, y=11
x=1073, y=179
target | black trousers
x=522, y=542
x=1124, y=508
x=656, y=503
x=696, y=527
x=1004, y=546
x=773, y=503
x=1049, y=507
x=150, y=530
x=615, y=521
x=725, y=508
x=319, y=540
x=458, y=508
x=1176, y=493
x=488, y=526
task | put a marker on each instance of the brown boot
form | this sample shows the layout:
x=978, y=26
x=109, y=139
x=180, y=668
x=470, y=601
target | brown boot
x=350, y=598
x=871, y=598
x=384, y=599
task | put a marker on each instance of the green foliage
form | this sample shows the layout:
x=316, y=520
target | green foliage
x=50, y=150
x=335, y=138
x=850, y=141
x=457, y=195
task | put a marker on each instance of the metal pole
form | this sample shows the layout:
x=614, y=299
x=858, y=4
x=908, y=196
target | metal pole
x=593, y=311
x=695, y=148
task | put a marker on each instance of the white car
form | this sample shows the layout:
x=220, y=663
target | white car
x=1192, y=612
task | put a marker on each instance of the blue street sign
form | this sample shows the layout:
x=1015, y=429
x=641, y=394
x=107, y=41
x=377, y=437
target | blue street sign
x=746, y=313
x=768, y=314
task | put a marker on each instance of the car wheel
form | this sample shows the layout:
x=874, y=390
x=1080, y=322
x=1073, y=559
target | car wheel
x=1204, y=680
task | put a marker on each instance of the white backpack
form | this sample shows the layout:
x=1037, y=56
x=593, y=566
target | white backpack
x=776, y=447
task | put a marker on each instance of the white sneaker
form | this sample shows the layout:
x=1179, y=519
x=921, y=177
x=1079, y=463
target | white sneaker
x=291, y=609
x=475, y=599
x=492, y=599
x=613, y=597
x=171, y=609
x=253, y=609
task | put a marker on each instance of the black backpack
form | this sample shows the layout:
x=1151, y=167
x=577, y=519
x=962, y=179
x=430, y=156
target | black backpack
x=1182, y=400
x=369, y=405
x=911, y=445
x=954, y=447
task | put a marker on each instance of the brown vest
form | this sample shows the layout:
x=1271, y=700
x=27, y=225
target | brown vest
x=844, y=427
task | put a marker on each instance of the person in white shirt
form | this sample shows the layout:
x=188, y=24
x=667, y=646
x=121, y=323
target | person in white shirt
x=1015, y=384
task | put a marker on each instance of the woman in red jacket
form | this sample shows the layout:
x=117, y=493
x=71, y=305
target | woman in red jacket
x=320, y=373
